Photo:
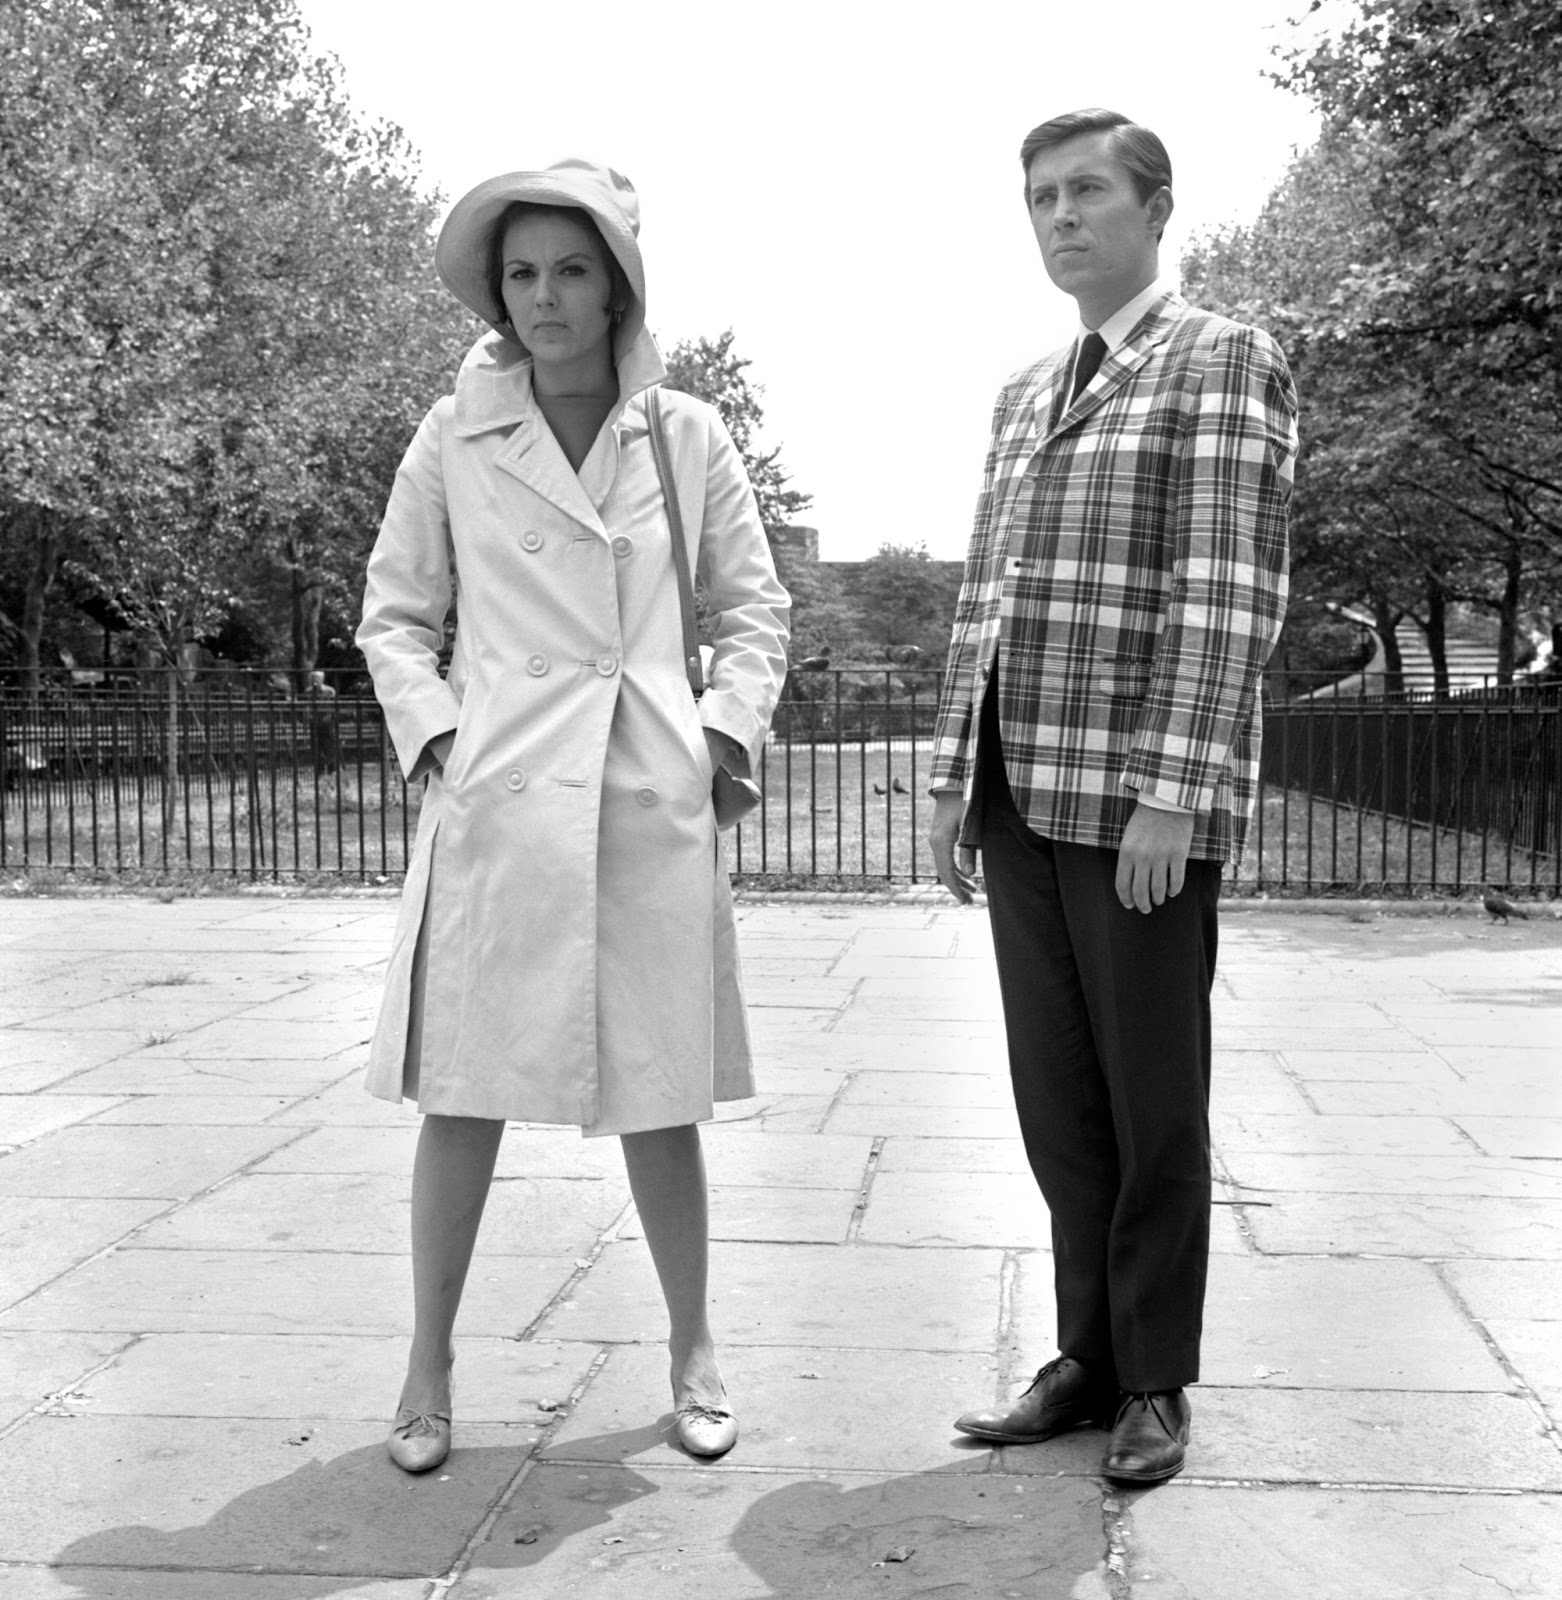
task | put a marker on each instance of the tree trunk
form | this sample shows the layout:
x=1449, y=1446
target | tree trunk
x=306, y=601
x=1508, y=613
x=1437, y=634
x=171, y=756
x=1385, y=620
x=40, y=579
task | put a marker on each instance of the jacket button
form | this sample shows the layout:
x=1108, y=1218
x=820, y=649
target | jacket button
x=607, y=665
x=537, y=665
x=646, y=796
x=531, y=540
x=623, y=545
x=515, y=780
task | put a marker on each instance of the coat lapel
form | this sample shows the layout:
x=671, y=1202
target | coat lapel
x=534, y=457
x=494, y=393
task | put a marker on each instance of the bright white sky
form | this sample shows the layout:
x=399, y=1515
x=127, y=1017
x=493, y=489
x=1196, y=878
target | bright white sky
x=837, y=180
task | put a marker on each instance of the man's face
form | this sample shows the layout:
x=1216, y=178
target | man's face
x=1098, y=238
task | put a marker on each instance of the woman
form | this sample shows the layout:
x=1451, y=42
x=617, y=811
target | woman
x=566, y=948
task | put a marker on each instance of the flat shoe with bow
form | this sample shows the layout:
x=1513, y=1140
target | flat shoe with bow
x=705, y=1430
x=419, y=1440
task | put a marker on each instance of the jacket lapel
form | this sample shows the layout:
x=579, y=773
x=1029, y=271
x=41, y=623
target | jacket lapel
x=1118, y=367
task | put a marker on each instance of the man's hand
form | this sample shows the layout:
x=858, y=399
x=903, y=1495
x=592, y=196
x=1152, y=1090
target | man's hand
x=1152, y=856
x=956, y=863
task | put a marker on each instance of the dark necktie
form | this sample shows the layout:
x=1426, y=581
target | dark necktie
x=1092, y=351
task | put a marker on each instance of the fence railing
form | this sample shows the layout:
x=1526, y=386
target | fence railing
x=234, y=774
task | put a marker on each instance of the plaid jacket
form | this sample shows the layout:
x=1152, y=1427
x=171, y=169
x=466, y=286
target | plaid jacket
x=1127, y=572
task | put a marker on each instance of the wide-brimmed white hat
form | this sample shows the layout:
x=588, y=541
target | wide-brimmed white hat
x=461, y=252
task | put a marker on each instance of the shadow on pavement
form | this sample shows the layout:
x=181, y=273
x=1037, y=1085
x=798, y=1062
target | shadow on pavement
x=337, y=1520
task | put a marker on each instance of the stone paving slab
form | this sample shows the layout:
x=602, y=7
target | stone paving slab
x=229, y=1494
x=34, y=1366
x=42, y=1238
x=369, y=1214
x=24, y=1118
x=1310, y=1322
x=1354, y=1173
x=44, y=1058
x=1195, y=1543
x=1425, y=1224
x=794, y=1294
x=253, y=1291
x=850, y=1414
x=1538, y=1136
x=133, y=1161
x=195, y=1110
x=111, y=1583
x=325, y=1378
x=1462, y=1441
x=1508, y=1290
x=142, y=1072
x=198, y=1380
x=612, y=1533
x=956, y=1208
x=764, y=1215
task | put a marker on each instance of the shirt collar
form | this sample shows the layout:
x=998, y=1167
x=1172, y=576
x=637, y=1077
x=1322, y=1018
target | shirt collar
x=1125, y=319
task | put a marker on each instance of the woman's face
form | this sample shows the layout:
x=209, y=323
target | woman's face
x=557, y=289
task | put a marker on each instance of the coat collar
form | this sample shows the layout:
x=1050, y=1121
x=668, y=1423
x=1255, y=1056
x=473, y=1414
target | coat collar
x=494, y=392
x=494, y=385
x=1053, y=413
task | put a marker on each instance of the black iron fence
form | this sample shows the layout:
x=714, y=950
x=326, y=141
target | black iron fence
x=243, y=775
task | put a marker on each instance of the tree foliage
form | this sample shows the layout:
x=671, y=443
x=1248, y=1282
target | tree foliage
x=1407, y=264
x=712, y=370
x=216, y=314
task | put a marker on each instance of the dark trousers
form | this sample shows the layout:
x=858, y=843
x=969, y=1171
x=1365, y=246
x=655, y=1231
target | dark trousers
x=1107, y=1016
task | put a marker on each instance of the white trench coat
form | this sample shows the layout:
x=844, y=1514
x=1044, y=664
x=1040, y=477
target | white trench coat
x=578, y=960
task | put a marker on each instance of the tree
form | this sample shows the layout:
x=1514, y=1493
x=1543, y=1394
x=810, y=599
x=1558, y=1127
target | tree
x=1411, y=491
x=216, y=315
x=1458, y=109
x=905, y=602
x=712, y=371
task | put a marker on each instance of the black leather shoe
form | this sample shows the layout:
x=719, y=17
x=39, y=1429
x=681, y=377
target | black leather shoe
x=1063, y=1395
x=1150, y=1437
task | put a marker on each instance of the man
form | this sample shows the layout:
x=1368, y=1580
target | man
x=1097, y=739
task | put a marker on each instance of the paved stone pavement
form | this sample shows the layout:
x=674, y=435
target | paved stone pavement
x=204, y=1287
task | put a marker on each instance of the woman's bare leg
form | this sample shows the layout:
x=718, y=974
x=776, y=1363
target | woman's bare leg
x=667, y=1178
x=450, y=1180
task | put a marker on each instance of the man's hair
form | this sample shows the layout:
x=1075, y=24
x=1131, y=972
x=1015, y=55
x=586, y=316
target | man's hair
x=1139, y=150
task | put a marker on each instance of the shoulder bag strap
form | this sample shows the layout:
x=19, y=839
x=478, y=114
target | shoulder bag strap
x=691, y=639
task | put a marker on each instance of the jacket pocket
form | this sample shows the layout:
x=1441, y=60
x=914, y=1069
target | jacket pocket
x=1124, y=677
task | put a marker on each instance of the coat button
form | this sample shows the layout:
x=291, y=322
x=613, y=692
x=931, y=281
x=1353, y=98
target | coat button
x=537, y=665
x=515, y=780
x=646, y=796
x=531, y=540
x=623, y=545
x=607, y=665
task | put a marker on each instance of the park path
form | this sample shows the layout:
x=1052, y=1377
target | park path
x=204, y=1284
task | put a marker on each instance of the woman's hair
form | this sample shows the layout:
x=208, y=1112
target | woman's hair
x=621, y=294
